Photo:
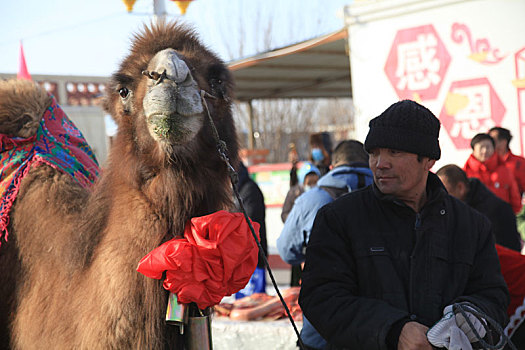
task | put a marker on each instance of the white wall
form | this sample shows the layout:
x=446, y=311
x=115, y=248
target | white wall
x=90, y=121
x=486, y=49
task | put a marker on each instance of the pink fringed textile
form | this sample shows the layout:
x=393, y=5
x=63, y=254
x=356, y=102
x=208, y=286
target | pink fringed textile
x=57, y=143
x=216, y=257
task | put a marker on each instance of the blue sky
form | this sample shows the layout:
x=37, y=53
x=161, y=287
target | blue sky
x=73, y=37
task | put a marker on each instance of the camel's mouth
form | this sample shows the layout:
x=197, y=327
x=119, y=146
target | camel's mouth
x=172, y=103
x=174, y=128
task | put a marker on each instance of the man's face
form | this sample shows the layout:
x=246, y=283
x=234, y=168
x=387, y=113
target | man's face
x=501, y=145
x=310, y=180
x=399, y=173
x=483, y=150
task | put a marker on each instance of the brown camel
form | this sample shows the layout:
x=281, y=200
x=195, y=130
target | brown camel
x=67, y=267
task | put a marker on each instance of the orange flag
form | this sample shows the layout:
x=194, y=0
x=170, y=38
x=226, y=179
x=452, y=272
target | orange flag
x=22, y=68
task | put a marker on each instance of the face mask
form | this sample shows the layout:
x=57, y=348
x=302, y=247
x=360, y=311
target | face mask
x=317, y=154
x=307, y=188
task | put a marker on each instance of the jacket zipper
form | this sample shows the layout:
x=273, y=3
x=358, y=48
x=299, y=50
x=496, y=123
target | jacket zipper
x=417, y=224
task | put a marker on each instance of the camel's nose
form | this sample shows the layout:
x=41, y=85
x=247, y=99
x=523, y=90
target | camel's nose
x=171, y=87
x=168, y=61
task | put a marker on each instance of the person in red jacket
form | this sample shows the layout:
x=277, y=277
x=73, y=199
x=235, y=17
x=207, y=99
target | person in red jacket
x=513, y=269
x=513, y=162
x=485, y=164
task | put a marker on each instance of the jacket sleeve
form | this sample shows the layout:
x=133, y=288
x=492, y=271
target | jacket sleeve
x=329, y=292
x=520, y=175
x=505, y=227
x=515, y=197
x=520, y=223
x=486, y=287
x=288, y=202
x=253, y=201
x=290, y=242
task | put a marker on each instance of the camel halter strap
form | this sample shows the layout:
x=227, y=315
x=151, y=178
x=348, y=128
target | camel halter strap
x=223, y=151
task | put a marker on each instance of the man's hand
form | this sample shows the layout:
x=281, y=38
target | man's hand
x=413, y=337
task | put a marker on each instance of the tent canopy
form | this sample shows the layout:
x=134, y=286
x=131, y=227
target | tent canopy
x=315, y=68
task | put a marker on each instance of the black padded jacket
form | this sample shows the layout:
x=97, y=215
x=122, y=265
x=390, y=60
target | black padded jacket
x=498, y=211
x=372, y=262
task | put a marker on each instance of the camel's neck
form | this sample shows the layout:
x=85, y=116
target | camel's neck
x=173, y=193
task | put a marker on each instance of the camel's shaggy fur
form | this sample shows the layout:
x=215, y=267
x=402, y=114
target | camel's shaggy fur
x=67, y=271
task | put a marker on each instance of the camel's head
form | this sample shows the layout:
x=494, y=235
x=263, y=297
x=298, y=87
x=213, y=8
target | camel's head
x=155, y=96
x=172, y=103
x=22, y=105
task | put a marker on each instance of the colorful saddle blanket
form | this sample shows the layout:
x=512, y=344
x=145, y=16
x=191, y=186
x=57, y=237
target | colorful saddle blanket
x=57, y=143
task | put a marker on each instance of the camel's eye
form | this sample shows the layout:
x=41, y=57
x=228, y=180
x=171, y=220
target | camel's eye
x=123, y=92
x=217, y=87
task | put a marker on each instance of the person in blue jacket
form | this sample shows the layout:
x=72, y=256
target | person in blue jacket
x=349, y=172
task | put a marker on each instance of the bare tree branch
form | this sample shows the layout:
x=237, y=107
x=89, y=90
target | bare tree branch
x=279, y=122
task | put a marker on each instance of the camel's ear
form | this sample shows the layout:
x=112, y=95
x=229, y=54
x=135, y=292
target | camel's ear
x=107, y=102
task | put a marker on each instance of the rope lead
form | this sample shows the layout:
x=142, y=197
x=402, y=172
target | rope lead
x=234, y=179
x=464, y=307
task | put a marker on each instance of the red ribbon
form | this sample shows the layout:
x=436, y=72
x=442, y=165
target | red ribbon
x=216, y=257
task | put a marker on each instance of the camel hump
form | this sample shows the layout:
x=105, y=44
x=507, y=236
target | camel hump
x=22, y=104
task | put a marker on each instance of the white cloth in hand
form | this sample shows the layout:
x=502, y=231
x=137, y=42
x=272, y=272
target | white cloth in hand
x=464, y=326
x=458, y=340
x=446, y=334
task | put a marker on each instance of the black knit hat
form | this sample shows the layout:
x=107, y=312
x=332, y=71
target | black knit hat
x=405, y=126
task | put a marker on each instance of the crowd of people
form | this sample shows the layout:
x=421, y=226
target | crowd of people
x=390, y=250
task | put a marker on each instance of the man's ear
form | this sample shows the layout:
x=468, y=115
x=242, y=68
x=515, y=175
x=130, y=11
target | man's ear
x=429, y=163
x=462, y=190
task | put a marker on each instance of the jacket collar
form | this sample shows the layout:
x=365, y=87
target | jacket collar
x=489, y=165
x=477, y=193
x=341, y=176
x=435, y=192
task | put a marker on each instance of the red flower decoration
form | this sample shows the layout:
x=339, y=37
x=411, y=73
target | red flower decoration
x=216, y=257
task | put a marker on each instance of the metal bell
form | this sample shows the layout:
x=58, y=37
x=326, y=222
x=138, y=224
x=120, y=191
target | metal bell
x=199, y=333
x=177, y=314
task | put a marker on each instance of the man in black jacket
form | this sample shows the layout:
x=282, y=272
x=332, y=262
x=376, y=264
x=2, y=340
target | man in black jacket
x=253, y=202
x=478, y=196
x=384, y=262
